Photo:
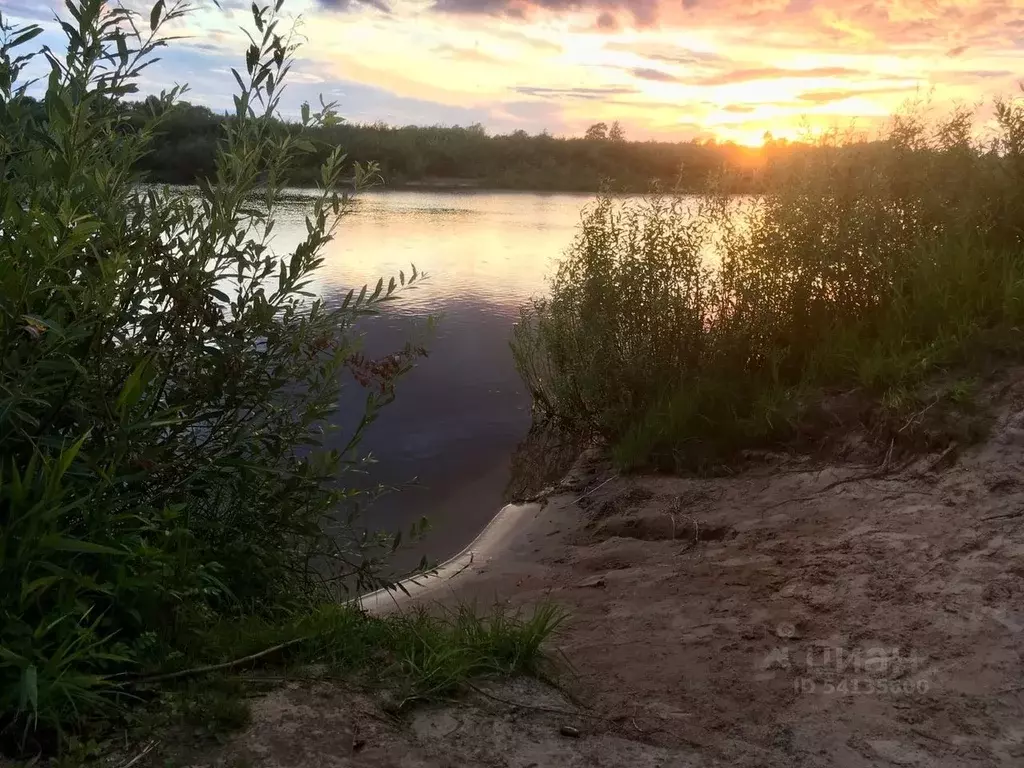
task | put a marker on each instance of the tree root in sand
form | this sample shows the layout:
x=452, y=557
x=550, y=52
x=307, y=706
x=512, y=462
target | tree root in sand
x=883, y=471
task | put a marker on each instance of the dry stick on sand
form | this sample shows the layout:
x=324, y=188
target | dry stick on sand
x=615, y=721
x=880, y=472
x=678, y=508
x=595, y=489
x=472, y=556
x=915, y=417
x=551, y=491
x=138, y=758
x=1005, y=516
x=538, y=707
x=942, y=457
x=225, y=665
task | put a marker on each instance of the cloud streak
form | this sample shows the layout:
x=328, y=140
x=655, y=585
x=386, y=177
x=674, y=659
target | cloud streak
x=27, y=10
x=467, y=54
x=656, y=75
x=584, y=94
x=755, y=74
x=830, y=97
x=644, y=13
x=342, y=6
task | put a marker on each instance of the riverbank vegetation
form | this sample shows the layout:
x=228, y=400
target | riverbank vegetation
x=184, y=150
x=684, y=331
x=167, y=382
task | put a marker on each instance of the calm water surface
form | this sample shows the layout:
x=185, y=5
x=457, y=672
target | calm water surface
x=459, y=415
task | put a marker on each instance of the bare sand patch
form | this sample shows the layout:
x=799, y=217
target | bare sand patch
x=791, y=615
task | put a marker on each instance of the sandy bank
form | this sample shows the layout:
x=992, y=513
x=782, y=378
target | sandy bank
x=792, y=615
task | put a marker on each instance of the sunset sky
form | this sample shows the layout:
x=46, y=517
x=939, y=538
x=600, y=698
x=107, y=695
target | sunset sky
x=731, y=69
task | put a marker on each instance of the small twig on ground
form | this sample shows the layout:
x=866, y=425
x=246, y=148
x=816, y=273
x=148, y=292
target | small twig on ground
x=902, y=495
x=471, y=556
x=915, y=417
x=925, y=734
x=883, y=470
x=537, y=707
x=888, y=455
x=935, y=566
x=942, y=457
x=541, y=495
x=138, y=758
x=636, y=726
x=458, y=725
x=225, y=665
x=279, y=679
x=1005, y=516
x=696, y=525
x=595, y=489
x=615, y=721
x=695, y=544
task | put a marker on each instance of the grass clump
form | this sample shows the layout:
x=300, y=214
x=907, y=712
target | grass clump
x=428, y=651
x=424, y=655
x=684, y=330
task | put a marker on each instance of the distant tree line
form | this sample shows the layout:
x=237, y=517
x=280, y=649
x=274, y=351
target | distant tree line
x=461, y=156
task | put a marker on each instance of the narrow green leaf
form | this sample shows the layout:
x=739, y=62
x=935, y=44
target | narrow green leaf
x=64, y=544
x=38, y=585
x=252, y=58
x=73, y=37
x=30, y=688
x=131, y=391
x=154, y=16
x=377, y=290
x=29, y=34
x=68, y=456
x=10, y=656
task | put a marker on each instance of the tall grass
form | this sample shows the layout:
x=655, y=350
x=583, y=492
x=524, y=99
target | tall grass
x=683, y=330
x=422, y=654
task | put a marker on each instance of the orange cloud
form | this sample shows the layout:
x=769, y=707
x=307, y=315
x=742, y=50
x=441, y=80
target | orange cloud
x=827, y=97
x=773, y=73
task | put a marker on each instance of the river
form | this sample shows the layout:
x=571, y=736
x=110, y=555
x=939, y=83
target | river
x=460, y=414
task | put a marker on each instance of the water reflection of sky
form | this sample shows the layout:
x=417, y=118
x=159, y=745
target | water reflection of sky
x=459, y=415
x=496, y=247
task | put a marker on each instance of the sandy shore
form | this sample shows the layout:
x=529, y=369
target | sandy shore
x=795, y=614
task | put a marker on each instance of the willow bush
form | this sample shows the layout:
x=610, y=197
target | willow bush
x=167, y=380
x=684, y=330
